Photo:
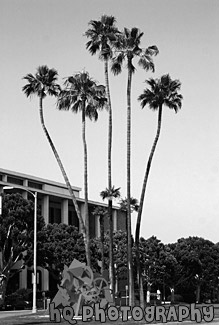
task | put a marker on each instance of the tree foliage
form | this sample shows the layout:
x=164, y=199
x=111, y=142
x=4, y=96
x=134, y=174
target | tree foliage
x=16, y=235
x=59, y=244
x=198, y=261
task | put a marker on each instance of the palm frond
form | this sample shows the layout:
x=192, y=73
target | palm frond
x=93, y=47
x=127, y=46
x=162, y=91
x=114, y=193
x=42, y=83
x=102, y=34
x=146, y=63
x=117, y=62
x=81, y=87
x=134, y=205
x=91, y=112
x=152, y=50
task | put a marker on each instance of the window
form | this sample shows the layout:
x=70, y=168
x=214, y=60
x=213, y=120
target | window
x=35, y=185
x=15, y=180
x=54, y=215
x=73, y=218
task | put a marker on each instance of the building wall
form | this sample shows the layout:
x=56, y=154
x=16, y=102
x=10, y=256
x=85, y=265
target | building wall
x=56, y=207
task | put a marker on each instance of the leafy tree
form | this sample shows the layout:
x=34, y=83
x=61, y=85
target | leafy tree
x=81, y=93
x=119, y=252
x=127, y=48
x=163, y=91
x=198, y=261
x=149, y=254
x=169, y=271
x=59, y=244
x=41, y=84
x=120, y=256
x=111, y=194
x=16, y=235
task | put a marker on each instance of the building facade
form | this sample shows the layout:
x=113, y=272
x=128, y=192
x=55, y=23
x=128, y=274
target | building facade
x=56, y=206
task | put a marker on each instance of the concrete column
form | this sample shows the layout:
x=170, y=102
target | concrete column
x=23, y=279
x=115, y=217
x=45, y=208
x=4, y=178
x=97, y=226
x=25, y=193
x=25, y=182
x=64, y=211
x=45, y=278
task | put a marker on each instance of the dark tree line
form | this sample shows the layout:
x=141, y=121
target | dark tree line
x=188, y=267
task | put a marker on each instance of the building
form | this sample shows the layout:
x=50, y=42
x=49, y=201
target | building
x=56, y=206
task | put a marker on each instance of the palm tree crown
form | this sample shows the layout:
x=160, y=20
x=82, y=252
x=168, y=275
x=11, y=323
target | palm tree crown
x=127, y=47
x=42, y=83
x=113, y=193
x=163, y=91
x=80, y=89
x=102, y=35
x=133, y=203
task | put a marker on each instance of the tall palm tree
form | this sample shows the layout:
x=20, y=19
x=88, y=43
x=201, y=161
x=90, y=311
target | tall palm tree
x=81, y=93
x=41, y=84
x=127, y=48
x=102, y=35
x=163, y=91
x=110, y=194
x=101, y=212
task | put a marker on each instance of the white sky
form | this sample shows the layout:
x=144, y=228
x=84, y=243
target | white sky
x=182, y=195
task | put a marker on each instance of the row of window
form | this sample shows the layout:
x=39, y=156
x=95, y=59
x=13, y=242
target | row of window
x=20, y=182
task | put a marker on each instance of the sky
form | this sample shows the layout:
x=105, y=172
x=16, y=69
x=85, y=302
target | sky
x=182, y=197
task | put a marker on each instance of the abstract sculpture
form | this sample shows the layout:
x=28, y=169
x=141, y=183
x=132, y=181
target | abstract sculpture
x=80, y=286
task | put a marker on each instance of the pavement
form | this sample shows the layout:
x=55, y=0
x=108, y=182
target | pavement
x=45, y=314
x=10, y=313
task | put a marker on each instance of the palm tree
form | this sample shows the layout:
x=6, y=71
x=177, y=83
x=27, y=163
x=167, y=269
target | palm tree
x=163, y=91
x=133, y=204
x=81, y=93
x=101, y=212
x=102, y=35
x=127, y=48
x=41, y=84
x=111, y=194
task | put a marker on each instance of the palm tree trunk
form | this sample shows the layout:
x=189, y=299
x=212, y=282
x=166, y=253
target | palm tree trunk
x=111, y=259
x=129, y=230
x=101, y=220
x=141, y=291
x=138, y=223
x=86, y=213
x=198, y=292
x=71, y=192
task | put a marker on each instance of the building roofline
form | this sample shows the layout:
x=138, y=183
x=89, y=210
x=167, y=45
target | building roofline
x=47, y=181
x=37, y=179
